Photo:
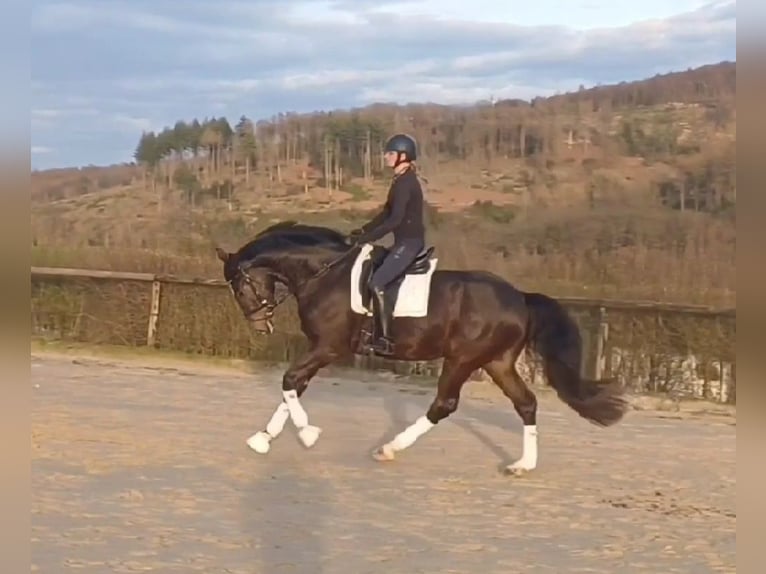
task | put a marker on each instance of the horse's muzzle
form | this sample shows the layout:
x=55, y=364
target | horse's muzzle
x=261, y=321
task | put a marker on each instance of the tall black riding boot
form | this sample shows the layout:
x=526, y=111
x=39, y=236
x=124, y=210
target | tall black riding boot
x=382, y=345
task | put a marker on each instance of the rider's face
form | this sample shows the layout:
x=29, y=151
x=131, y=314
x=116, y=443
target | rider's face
x=390, y=158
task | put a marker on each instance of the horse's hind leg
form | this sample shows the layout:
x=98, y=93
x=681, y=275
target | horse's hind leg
x=503, y=372
x=451, y=380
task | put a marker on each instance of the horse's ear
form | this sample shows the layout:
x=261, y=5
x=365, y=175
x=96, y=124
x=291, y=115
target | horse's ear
x=222, y=255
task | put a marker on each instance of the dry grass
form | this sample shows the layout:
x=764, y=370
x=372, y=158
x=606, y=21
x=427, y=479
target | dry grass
x=614, y=251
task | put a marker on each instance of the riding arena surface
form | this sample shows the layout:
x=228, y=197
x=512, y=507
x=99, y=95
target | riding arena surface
x=144, y=468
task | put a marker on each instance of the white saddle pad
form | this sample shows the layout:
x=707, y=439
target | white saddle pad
x=412, y=300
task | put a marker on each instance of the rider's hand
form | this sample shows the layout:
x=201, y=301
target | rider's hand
x=354, y=236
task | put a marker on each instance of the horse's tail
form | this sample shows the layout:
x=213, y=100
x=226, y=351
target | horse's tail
x=554, y=336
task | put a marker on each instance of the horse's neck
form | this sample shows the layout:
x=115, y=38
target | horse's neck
x=300, y=268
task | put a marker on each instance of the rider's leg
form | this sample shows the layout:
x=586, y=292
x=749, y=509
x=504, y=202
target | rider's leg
x=382, y=314
x=401, y=256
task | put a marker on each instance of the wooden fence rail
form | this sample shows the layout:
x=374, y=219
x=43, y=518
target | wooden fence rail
x=596, y=311
x=583, y=302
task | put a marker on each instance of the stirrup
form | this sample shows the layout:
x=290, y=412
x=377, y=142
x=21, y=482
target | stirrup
x=383, y=346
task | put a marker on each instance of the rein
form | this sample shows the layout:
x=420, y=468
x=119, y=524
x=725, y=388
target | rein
x=327, y=266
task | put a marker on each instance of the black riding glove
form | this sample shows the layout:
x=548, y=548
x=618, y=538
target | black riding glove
x=354, y=236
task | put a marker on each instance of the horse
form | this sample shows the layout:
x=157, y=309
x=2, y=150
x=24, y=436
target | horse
x=475, y=320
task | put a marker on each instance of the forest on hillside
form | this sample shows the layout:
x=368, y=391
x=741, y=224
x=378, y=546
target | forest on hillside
x=601, y=122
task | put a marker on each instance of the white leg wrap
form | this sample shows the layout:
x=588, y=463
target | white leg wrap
x=260, y=442
x=528, y=460
x=278, y=419
x=529, y=447
x=296, y=410
x=409, y=435
x=307, y=433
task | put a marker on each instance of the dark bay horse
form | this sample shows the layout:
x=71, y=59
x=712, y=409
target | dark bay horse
x=475, y=319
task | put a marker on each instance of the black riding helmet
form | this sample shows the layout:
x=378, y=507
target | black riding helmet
x=402, y=143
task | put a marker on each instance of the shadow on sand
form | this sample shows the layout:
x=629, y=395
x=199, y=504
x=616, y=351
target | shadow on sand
x=286, y=513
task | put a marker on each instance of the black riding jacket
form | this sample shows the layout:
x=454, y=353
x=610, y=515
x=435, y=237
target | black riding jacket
x=402, y=213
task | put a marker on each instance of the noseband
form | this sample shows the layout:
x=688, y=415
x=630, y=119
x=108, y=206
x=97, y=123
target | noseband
x=264, y=302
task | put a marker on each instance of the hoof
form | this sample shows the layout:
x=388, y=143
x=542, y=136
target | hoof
x=309, y=435
x=516, y=470
x=383, y=454
x=260, y=442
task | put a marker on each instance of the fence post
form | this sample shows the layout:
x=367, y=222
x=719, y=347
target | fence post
x=602, y=334
x=154, y=314
x=594, y=340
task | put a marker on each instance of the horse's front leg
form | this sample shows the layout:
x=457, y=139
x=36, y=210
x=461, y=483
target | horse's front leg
x=260, y=442
x=294, y=383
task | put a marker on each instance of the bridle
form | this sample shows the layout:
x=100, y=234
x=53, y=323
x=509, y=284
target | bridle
x=271, y=305
x=264, y=302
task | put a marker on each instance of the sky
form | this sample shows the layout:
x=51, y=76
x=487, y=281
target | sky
x=103, y=71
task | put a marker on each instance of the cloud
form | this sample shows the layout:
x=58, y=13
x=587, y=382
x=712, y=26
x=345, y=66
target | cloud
x=103, y=70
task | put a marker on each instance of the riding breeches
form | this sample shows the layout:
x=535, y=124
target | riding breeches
x=401, y=256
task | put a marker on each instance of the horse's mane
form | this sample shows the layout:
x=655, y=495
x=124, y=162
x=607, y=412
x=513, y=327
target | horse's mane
x=290, y=233
x=287, y=224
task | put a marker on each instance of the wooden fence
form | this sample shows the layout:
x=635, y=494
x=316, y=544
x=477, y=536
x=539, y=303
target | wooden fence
x=155, y=280
x=679, y=323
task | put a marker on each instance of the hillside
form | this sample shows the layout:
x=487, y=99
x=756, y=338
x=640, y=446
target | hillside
x=566, y=191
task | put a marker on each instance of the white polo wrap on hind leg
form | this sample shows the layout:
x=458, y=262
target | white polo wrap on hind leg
x=528, y=460
x=529, y=447
x=412, y=433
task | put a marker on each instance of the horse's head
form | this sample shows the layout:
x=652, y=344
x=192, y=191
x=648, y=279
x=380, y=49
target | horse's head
x=254, y=289
x=254, y=272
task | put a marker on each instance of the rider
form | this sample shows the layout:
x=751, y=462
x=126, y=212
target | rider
x=401, y=215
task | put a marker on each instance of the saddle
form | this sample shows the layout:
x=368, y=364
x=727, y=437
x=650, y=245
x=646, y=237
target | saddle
x=420, y=265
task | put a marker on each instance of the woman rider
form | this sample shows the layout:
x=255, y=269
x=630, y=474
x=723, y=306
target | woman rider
x=401, y=215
